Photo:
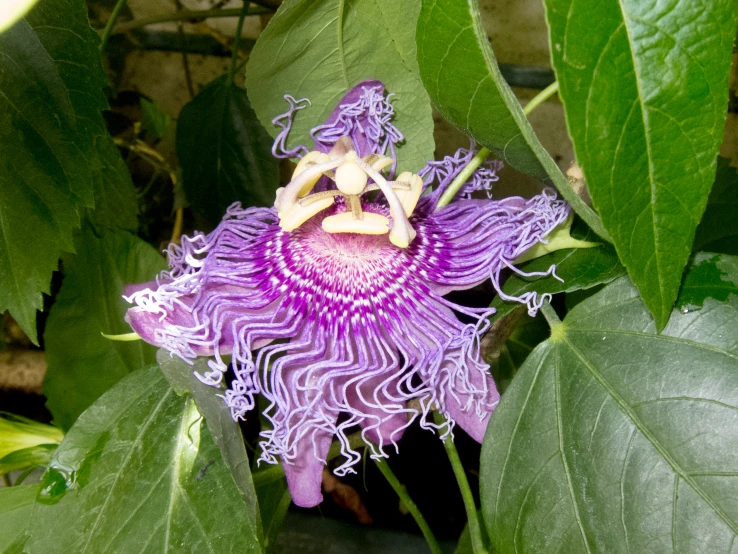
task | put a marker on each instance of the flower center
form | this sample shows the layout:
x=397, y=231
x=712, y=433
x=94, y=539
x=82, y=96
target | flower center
x=351, y=174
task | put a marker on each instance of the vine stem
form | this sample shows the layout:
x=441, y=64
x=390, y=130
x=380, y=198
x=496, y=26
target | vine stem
x=184, y=15
x=109, y=25
x=236, y=42
x=477, y=160
x=541, y=97
x=472, y=516
x=401, y=491
x=550, y=314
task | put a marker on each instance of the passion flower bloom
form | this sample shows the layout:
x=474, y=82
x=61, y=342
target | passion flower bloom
x=332, y=303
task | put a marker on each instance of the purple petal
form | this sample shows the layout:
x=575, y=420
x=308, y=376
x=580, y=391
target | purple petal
x=304, y=473
x=384, y=420
x=365, y=115
x=471, y=396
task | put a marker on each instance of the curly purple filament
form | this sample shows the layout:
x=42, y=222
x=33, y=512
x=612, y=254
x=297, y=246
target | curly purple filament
x=344, y=331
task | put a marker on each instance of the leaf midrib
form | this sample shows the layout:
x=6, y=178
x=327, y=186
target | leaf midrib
x=647, y=136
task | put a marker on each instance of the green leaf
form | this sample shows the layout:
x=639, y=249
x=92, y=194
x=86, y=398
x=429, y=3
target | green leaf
x=718, y=230
x=138, y=472
x=321, y=49
x=274, y=501
x=116, y=205
x=461, y=75
x=154, y=120
x=709, y=276
x=34, y=456
x=579, y=268
x=16, y=505
x=225, y=431
x=613, y=438
x=52, y=79
x=224, y=153
x=644, y=87
x=82, y=364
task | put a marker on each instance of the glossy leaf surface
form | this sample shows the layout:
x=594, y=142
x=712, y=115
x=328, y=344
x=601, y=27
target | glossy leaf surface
x=225, y=431
x=54, y=144
x=16, y=505
x=319, y=50
x=613, y=438
x=644, y=87
x=82, y=364
x=224, y=152
x=139, y=472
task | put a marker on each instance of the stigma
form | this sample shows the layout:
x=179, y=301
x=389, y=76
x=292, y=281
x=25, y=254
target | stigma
x=353, y=177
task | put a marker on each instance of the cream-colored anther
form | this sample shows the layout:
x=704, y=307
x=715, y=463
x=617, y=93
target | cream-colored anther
x=409, y=198
x=378, y=161
x=401, y=236
x=287, y=198
x=310, y=158
x=402, y=233
x=350, y=178
x=372, y=224
x=298, y=214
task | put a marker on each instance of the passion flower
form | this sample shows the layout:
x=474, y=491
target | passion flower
x=331, y=304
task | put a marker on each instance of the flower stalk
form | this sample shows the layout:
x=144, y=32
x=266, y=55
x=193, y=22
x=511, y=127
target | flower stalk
x=472, y=515
x=402, y=493
x=109, y=25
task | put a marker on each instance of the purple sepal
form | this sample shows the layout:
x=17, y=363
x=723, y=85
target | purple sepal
x=365, y=115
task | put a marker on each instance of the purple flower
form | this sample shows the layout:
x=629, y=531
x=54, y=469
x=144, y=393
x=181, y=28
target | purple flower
x=331, y=305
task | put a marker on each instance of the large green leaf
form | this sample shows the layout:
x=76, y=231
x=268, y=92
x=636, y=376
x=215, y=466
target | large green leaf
x=644, y=87
x=320, y=49
x=461, y=75
x=224, y=152
x=82, y=364
x=139, y=472
x=578, y=269
x=16, y=504
x=613, y=438
x=718, y=230
x=225, y=431
x=116, y=205
x=51, y=136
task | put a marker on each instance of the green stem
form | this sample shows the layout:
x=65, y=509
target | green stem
x=401, y=491
x=6, y=480
x=109, y=25
x=477, y=160
x=461, y=178
x=184, y=15
x=550, y=314
x=236, y=42
x=541, y=97
x=475, y=529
